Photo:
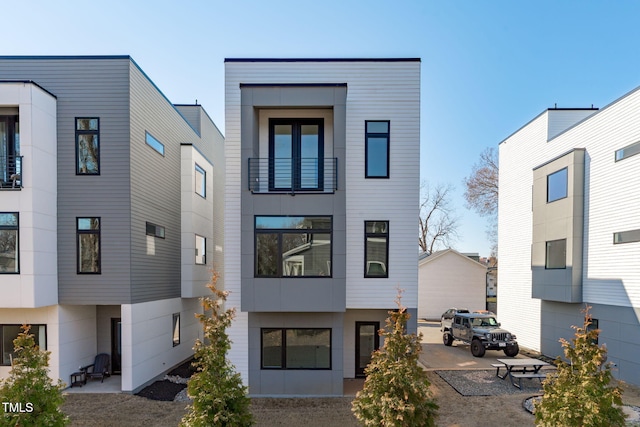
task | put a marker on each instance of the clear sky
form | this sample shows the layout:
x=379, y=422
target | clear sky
x=488, y=67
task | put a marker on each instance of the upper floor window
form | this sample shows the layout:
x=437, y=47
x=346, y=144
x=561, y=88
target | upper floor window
x=296, y=154
x=293, y=246
x=87, y=146
x=376, y=248
x=628, y=151
x=556, y=254
x=8, y=333
x=376, y=149
x=154, y=230
x=154, y=143
x=9, y=244
x=201, y=181
x=88, y=244
x=626, y=236
x=10, y=159
x=201, y=250
x=557, y=185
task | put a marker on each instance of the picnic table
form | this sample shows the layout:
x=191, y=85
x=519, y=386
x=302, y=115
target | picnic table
x=517, y=369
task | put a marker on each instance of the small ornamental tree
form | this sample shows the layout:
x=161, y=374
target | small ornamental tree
x=396, y=390
x=219, y=397
x=29, y=397
x=579, y=394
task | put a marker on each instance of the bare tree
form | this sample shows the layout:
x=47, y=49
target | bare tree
x=438, y=224
x=481, y=191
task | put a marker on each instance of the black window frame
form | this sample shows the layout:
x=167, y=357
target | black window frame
x=566, y=184
x=368, y=235
x=296, y=159
x=15, y=228
x=80, y=232
x=95, y=132
x=283, y=355
x=155, y=230
x=176, y=319
x=200, y=169
x=2, y=350
x=546, y=254
x=368, y=135
x=282, y=231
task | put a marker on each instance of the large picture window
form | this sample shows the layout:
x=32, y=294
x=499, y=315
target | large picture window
x=293, y=246
x=87, y=146
x=296, y=154
x=8, y=333
x=9, y=243
x=556, y=254
x=296, y=348
x=376, y=248
x=557, y=185
x=88, y=241
x=377, y=149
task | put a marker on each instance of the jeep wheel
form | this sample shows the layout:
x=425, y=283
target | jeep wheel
x=477, y=349
x=447, y=339
x=512, y=351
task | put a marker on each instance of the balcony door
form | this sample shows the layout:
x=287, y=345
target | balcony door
x=296, y=154
x=9, y=147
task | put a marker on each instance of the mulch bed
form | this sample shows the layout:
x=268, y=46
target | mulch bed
x=166, y=390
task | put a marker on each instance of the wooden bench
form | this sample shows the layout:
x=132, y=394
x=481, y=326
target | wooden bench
x=498, y=366
x=530, y=375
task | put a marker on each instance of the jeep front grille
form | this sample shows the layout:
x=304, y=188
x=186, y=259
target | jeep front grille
x=499, y=336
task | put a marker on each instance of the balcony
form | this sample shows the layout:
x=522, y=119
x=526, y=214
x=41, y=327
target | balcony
x=293, y=175
x=10, y=172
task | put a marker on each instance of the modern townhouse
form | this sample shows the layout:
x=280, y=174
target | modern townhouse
x=569, y=229
x=111, y=208
x=321, y=203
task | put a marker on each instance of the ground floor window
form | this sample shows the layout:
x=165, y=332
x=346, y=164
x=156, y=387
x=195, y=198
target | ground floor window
x=8, y=333
x=296, y=348
x=9, y=242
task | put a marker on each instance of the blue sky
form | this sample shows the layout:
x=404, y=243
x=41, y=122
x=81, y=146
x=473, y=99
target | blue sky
x=488, y=67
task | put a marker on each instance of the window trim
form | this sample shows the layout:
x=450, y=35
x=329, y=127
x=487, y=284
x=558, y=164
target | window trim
x=373, y=234
x=155, y=143
x=2, y=325
x=546, y=255
x=79, y=132
x=176, y=320
x=199, y=169
x=79, y=232
x=634, y=237
x=155, y=232
x=17, y=249
x=386, y=135
x=204, y=255
x=566, y=184
x=283, y=357
x=620, y=155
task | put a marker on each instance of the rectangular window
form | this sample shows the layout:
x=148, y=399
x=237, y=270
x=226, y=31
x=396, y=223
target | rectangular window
x=296, y=154
x=593, y=326
x=176, y=329
x=201, y=250
x=557, y=185
x=376, y=248
x=155, y=230
x=154, y=143
x=201, y=181
x=8, y=333
x=87, y=146
x=293, y=246
x=377, y=149
x=296, y=348
x=10, y=159
x=556, y=256
x=9, y=243
x=626, y=236
x=88, y=244
x=628, y=151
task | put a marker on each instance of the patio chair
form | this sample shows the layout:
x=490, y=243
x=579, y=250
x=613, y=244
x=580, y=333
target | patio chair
x=99, y=368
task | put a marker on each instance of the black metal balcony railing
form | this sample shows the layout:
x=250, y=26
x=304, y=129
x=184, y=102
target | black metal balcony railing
x=293, y=175
x=10, y=172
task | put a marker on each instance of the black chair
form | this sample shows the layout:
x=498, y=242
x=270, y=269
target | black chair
x=99, y=368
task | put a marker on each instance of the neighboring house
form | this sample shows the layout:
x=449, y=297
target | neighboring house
x=110, y=214
x=569, y=229
x=321, y=200
x=449, y=279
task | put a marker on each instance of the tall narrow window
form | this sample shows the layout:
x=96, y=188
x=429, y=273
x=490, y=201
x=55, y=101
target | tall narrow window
x=88, y=232
x=556, y=254
x=377, y=149
x=176, y=329
x=10, y=159
x=296, y=154
x=9, y=244
x=557, y=185
x=201, y=250
x=201, y=181
x=87, y=146
x=376, y=248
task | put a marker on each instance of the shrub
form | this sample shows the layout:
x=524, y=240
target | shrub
x=396, y=390
x=30, y=387
x=579, y=394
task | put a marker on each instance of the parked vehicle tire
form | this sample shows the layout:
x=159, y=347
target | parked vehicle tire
x=512, y=351
x=477, y=349
x=447, y=339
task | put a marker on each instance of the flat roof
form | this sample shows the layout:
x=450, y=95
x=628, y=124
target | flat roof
x=322, y=60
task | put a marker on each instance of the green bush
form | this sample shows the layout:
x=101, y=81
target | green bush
x=579, y=394
x=396, y=390
x=219, y=397
x=30, y=387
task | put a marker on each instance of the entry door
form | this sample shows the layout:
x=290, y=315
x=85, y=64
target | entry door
x=367, y=341
x=116, y=344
